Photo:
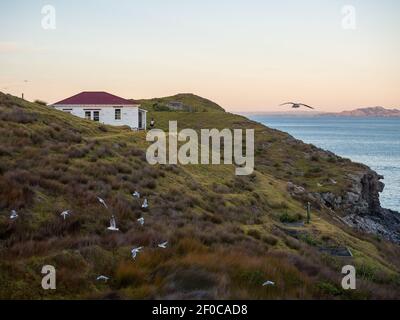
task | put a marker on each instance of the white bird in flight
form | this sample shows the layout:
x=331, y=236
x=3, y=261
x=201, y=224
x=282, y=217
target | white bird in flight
x=268, y=283
x=141, y=221
x=102, y=202
x=163, y=245
x=102, y=278
x=136, y=194
x=13, y=215
x=113, y=225
x=145, y=204
x=64, y=214
x=135, y=251
x=296, y=105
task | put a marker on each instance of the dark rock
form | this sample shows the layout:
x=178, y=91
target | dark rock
x=294, y=189
x=361, y=207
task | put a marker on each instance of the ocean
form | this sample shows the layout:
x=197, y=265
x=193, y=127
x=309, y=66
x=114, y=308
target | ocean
x=372, y=141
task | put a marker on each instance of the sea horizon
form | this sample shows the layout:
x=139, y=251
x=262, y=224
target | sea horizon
x=373, y=141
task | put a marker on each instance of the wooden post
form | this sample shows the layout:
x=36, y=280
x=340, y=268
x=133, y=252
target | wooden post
x=308, y=212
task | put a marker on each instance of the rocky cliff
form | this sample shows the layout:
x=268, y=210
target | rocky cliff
x=361, y=208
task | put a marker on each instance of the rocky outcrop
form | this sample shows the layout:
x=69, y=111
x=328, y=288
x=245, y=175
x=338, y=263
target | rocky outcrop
x=359, y=206
x=385, y=225
x=362, y=198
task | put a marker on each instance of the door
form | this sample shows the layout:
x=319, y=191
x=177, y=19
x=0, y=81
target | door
x=140, y=120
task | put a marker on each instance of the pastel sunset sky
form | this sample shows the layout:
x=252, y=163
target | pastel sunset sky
x=245, y=55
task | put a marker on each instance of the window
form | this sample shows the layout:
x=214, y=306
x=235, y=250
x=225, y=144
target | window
x=96, y=115
x=88, y=115
x=117, y=114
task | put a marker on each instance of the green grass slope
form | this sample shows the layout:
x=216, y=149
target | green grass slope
x=186, y=102
x=226, y=234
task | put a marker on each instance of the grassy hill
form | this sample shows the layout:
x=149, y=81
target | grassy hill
x=186, y=102
x=226, y=234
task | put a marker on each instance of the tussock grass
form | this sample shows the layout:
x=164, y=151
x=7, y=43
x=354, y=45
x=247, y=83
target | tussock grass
x=224, y=232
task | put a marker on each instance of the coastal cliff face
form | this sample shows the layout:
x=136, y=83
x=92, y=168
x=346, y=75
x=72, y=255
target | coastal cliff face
x=361, y=206
x=362, y=198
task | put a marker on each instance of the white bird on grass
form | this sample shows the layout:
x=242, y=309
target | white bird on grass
x=163, y=245
x=102, y=278
x=141, y=221
x=145, y=204
x=268, y=283
x=102, y=202
x=13, y=215
x=64, y=214
x=113, y=225
x=136, y=194
x=135, y=251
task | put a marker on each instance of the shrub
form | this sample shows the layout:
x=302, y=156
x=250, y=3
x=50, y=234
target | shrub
x=76, y=152
x=308, y=239
x=329, y=288
x=277, y=205
x=103, y=128
x=271, y=240
x=220, y=188
x=287, y=218
x=14, y=190
x=192, y=279
x=367, y=272
x=292, y=243
x=129, y=274
x=18, y=115
x=315, y=158
x=254, y=233
x=41, y=102
x=243, y=183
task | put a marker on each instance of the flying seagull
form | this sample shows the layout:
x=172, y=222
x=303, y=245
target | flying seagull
x=296, y=105
x=102, y=278
x=135, y=251
x=13, y=215
x=145, y=204
x=64, y=214
x=102, y=202
x=113, y=225
x=141, y=221
x=163, y=245
x=268, y=283
x=136, y=194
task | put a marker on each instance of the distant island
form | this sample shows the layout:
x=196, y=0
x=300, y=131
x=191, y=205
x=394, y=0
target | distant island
x=367, y=112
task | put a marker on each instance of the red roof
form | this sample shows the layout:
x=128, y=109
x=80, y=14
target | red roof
x=96, y=98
